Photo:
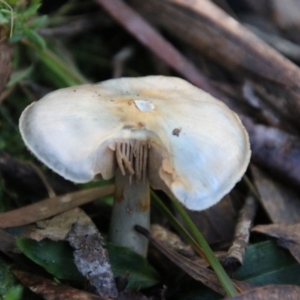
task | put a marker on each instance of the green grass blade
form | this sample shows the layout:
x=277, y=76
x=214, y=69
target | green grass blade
x=213, y=261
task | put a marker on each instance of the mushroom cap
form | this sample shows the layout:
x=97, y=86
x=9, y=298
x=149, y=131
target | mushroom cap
x=198, y=147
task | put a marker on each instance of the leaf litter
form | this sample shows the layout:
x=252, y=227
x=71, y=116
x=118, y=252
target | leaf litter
x=257, y=81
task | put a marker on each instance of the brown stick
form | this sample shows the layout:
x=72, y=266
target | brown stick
x=45, y=209
x=236, y=253
x=213, y=33
x=151, y=38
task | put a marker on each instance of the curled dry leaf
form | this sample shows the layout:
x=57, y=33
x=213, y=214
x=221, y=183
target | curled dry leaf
x=51, y=207
x=288, y=236
x=272, y=292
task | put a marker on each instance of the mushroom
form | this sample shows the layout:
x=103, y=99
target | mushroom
x=153, y=130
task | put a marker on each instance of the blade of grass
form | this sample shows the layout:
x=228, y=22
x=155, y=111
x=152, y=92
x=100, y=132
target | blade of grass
x=213, y=261
x=68, y=75
x=176, y=225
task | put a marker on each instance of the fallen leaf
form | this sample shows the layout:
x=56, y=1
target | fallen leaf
x=76, y=227
x=288, y=236
x=55, y=257
x=271, y=292
x=91, y=257
x=171, y=240
x=195, y=270
x=216, y=223
x=90, y=254
x=51, y=290
x=280, y=201
x=204, y=27
x=132, y=266
x=266, y=263
x=275, y=150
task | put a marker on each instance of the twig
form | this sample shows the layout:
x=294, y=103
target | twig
x=152, y=39
x=236, y=252
x=50, y=207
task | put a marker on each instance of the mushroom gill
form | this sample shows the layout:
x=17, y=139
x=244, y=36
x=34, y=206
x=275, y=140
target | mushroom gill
x=132, y=156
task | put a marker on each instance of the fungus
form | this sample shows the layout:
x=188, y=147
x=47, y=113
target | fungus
x=155, y=130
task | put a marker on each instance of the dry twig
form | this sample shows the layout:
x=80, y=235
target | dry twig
x=236, y=252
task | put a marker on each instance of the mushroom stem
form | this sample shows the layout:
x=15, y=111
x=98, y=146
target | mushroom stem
x=131, y=207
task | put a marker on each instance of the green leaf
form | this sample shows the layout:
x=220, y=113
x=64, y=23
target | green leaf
x=14, y=293
x=32, y=10
x=6, y=11
x=3, y=19
x=35, y=38
x=16, y=37
x=17, y=76
x=7, y=280
x=266, y=263
x=55, y=257
x=125, y=263
x=38, y=22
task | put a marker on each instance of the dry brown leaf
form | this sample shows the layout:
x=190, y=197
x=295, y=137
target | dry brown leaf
x=171, y=240
x=218, y=222
x=90, y=255
x=195, y=270
x=288, y=236
x=280, y=202
x=271, y=292
x=154, y=41
x=58, y=227
x=47, y=208
x=275, y=150
x=51, y=290
x=205, y=27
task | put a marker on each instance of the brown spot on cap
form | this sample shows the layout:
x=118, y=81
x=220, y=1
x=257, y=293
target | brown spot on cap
x=176, y=131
